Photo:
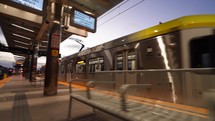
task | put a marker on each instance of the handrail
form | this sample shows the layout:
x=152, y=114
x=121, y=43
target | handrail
x=92, y=83
x=70, y=87
x=161, y=70
x=123, y=90
x=70, y=83
x=209, y=96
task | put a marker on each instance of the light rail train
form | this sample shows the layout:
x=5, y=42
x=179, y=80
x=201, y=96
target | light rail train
x=177, y=57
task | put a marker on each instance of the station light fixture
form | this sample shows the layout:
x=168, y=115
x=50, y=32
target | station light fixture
x=88, y=12
x=21, y=47
x=21, y=36
x=42, y=46
x=21, y=42
x=57, y=22
x=44, y=41
x=22, y=28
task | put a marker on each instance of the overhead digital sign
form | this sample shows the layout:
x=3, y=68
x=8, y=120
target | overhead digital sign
x=83, y=20
x=35, y=4
x=32, y=6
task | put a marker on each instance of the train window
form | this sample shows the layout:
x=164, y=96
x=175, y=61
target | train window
x=96, y=64
x=80, y=66
x=131, y=60
x=119, y=61
x=149, y=49
x=202, y=52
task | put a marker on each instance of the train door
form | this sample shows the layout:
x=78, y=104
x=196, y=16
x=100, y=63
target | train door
x=80, y=69
x=202, y=52
x=131, y=77
x=96, y=65
x=125, y=60
x=119, y=65
x=120, y=61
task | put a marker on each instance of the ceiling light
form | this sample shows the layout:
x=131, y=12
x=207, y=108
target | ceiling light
x=21, y=42
x=21, y=36
x=22, y=28
x=57, y=22
x=88, y=12
x=21, y=47
x=44, y=41
x=42, y=46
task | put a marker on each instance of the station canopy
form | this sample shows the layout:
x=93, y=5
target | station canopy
x=24, y=22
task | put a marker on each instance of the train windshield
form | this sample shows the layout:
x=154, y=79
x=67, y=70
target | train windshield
x=203, y=52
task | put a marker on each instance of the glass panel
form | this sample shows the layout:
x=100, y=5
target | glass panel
x=202, y=52
x=119, y=61
x=96, y=64
x=131, y=60
x=80, y=66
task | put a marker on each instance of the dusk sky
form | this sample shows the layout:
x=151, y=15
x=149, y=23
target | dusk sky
x=146, y=14
x=126, y=19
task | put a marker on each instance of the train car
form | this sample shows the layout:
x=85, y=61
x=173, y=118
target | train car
x=4, y=72
x=177, y=57
x=1, y=73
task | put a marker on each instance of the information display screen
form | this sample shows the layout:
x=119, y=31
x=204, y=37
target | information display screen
x=35, y=4
x=83, y=20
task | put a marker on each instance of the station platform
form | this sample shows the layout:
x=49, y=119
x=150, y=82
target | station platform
x=22, y=101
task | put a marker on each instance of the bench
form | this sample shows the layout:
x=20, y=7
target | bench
x=126, y=109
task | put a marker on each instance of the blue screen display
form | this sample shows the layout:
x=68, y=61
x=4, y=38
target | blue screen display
x=84, y=20
x=35, y=4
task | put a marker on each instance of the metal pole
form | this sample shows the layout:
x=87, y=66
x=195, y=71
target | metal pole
x=54, y=39
x=31, y=67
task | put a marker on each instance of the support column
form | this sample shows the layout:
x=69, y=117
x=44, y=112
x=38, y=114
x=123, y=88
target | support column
x=31, y=67
x=54, y=39
x=33, y=64
x=26, y=65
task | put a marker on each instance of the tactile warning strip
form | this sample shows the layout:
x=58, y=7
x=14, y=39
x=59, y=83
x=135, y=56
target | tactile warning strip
x=20, y=108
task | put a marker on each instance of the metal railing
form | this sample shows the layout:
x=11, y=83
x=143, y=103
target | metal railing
x=179, y=85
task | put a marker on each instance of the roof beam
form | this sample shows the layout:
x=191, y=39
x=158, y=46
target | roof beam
x=21, y=14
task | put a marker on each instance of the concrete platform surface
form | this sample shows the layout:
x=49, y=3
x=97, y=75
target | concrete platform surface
x=22, y=101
